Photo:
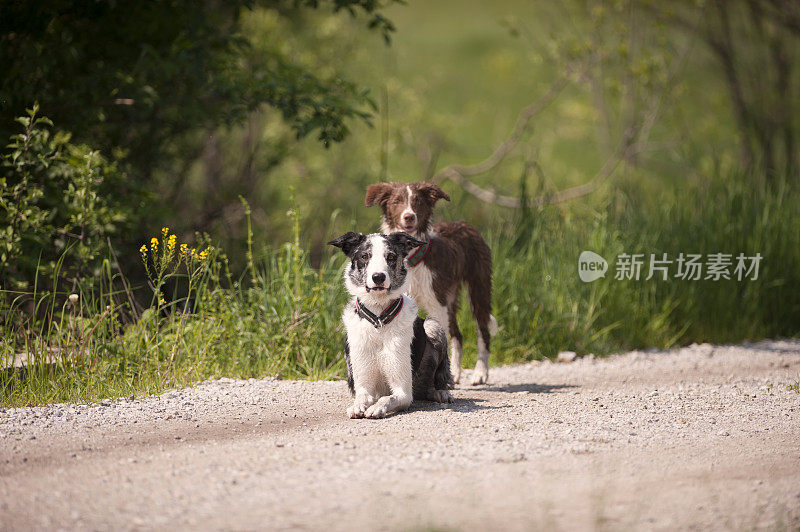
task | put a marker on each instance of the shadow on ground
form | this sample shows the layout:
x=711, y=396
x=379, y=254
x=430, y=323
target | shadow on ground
x=460, y=404
x=473, y=404
x=528, y=387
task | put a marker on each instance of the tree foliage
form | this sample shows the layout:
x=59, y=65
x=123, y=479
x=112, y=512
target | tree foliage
x=135, y=76
x=146, y=84
x=58, y=204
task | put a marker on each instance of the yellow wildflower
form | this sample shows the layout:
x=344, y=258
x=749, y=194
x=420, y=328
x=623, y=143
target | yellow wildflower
x=154, y=244
x=164, y=232
x=143, y=250
x=204, y=254
x=162, y=301
x=184, y=250
x=171, y=243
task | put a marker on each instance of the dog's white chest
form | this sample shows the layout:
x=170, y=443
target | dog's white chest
x=379, y=343
x=380, y=355
x=420, y=287
x=420, y=284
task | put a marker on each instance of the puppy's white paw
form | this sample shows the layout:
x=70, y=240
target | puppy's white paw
x=360, y=405
x=480, y=378
x=376, y=411
x=442, y=396
x=481, y=373
x=456, y=375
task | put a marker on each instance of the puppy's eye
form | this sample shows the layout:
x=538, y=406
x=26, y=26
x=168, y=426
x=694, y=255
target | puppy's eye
x=391, y=257
x=398, y=201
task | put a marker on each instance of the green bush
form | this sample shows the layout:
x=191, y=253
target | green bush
x=59, y=202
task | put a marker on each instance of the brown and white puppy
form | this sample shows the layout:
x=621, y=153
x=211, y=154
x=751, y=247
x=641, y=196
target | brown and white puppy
x=456, y=254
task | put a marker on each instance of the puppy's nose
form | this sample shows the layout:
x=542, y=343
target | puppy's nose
x=378, y=278
x=409, y=218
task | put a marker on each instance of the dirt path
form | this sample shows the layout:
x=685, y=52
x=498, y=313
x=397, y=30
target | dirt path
x=702, y=437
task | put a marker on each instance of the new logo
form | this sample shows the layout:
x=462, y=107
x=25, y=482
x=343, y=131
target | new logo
x=591, y=266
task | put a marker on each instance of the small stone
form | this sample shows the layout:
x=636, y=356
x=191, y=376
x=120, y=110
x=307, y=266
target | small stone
x=566, y=356
x=704, y=349
x=723, y=433
x=105, y=402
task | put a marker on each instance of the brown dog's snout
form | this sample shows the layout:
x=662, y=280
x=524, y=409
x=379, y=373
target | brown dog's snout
x=409, y=218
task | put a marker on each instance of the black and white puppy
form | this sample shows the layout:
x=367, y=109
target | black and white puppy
x=392, y=355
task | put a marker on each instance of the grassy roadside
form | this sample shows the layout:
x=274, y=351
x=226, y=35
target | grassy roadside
x=281, y=317
x=544, y=307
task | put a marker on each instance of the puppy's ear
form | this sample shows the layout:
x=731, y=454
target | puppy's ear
x=348, y=242
x=378, y=194
x=432, y=192
x=404, y=241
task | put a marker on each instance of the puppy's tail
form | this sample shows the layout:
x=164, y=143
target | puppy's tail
x=492, y=325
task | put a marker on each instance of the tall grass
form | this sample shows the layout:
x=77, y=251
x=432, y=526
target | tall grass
x=282, y=317
x=285, y=322
x=543, y=306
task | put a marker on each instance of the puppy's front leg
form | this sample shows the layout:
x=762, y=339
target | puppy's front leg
x=388, y=404
x=361, y=403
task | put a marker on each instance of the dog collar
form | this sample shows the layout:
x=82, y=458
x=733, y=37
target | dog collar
x=386, y=316
x=419, y=255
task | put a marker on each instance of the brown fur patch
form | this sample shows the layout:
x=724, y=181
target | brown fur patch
x=471, y=264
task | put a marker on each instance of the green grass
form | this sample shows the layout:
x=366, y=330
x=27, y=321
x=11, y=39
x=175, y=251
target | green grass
x=543, y=307
x=285, y=318
x=286, y=325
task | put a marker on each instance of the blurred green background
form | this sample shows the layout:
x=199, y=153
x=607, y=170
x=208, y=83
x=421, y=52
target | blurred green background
x=448, y=90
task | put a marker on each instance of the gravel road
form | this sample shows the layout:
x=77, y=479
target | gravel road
x=702, y=437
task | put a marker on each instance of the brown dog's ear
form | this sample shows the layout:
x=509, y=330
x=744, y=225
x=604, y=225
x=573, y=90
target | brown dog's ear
x=433, y=192
x=378, y=194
